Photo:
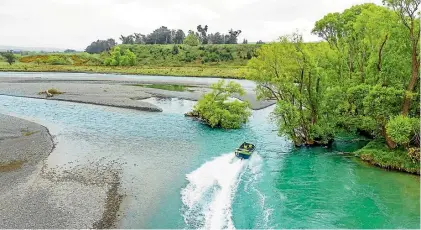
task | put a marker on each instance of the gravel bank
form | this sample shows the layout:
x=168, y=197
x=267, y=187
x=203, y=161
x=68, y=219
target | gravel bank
x=33, y=197
x=117, y=92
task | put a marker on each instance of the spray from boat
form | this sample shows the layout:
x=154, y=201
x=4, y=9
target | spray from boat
x=211, y=189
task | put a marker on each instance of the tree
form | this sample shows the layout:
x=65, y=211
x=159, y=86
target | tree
x=162, y=35
x=232, y=37
x=117, y=59
x=245, y=41
x=291, y=73
x=100, y=46
x=407, y=11
x=217, y=110
x=179, y=37
x=260, y=42
x=191, y=39
x=216, y=38
x=139, y=38
x=10, y=57
x=130, y=39
x=371, y=59
x=203, y=37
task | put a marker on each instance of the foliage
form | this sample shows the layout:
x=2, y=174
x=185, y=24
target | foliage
x=222, y=71
x=128, y=58
x=414, y=154
x=10, y=57
x=400, y=129
x=191, y=39
x=101, y=46
x=58, y=60
x=371, y=55
x=217, y=110
x=291, y=73
x=65, y=59
x=377, y=153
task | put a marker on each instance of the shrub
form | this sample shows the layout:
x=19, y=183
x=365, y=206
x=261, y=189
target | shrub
x=217, y=110
x=400, y=129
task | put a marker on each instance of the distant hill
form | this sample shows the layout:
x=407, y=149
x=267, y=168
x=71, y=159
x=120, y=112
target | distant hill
x=38, y=49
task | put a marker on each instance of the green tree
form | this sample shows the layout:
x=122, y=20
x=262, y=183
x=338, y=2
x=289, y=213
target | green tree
x=203, y=34
x=179, y=37
x=191, y=39
x=217, y=110
x=100, y=46
x=9, y=56
x=370, y=63
x=128, y=58
x=291, y=73
x=409, y=15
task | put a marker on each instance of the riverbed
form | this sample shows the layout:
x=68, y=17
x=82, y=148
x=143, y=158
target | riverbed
x=178, y=173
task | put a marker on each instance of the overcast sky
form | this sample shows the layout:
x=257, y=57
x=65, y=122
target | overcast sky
x=76, y=23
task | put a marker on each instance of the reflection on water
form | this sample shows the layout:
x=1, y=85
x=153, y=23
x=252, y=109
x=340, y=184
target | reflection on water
x=279, y=188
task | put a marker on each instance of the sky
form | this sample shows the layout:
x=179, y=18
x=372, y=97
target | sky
x=74, y=24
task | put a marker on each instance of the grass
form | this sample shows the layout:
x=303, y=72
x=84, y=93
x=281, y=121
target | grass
x=27, y=133
x=10, y=166
x=222, y=71
x=52, y=91
x=169, y=87
x=376, y=153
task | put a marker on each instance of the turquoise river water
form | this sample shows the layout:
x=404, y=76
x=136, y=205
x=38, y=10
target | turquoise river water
x=178, y=173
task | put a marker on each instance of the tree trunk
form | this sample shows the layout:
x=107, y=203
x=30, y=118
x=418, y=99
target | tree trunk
x=389, y=142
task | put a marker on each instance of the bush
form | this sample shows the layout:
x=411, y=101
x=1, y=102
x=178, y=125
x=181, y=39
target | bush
x=400, y=129
x=58, y=60
x=377, y=153
x=217, y=110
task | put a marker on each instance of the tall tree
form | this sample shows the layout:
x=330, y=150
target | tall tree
x=179, y=37
x=202, y=34
x=162, y=35
x=407, y=11
x=100, y=46
x=291, y=73
x=216, y=38
x=130, y=39
x=232, y=36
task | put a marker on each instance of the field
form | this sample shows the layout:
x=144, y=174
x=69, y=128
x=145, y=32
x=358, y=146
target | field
x=175, y=60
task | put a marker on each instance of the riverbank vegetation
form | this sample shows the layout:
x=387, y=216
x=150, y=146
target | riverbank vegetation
x=163, y=52
x=177, y=60
x=364, y=78
x=219, y=109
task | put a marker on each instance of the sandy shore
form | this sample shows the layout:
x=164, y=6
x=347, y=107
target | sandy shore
x=33, y=195
x=117, y=92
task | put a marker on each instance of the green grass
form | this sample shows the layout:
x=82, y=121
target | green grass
x=223, y=71
x=170, y=87
x=377, y=153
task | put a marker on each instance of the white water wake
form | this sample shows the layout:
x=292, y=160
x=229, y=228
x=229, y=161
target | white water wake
x=209, y=194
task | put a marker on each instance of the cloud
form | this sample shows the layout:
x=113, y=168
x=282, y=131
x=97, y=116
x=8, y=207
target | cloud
x=76, y=23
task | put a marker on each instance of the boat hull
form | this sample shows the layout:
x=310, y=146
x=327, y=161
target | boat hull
x=243, y=156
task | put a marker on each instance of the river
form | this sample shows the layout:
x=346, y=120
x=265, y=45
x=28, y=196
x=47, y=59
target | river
x=178, y=173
